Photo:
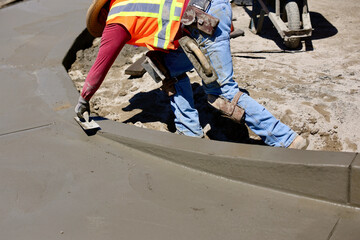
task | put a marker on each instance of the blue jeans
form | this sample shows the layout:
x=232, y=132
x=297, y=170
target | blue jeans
x=258, y=119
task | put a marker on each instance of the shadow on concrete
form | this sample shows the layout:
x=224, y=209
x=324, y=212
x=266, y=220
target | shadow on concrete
x=83, y=41
x=322, y=29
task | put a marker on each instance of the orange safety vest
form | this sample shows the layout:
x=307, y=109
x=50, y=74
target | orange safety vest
x=151, y=23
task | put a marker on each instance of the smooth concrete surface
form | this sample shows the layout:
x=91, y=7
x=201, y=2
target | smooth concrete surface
x=323, y=175
x=104, y=190
x=58, y=183
x=355, y=181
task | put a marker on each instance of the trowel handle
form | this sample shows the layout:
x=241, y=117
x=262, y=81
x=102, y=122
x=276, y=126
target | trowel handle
x=201, y=57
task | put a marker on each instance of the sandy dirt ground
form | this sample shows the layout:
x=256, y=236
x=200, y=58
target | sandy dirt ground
x=314, y=89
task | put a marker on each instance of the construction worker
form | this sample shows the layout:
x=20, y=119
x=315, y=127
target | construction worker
x=156, y=25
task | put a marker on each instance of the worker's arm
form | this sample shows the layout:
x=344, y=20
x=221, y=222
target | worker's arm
x=114, y=37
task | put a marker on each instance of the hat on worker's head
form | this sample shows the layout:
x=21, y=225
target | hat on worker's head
x=93, y=23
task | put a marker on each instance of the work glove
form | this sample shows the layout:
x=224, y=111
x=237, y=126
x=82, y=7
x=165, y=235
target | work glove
x=82, y=107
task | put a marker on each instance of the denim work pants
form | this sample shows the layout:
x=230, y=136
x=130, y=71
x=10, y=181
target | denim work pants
x=258, y=119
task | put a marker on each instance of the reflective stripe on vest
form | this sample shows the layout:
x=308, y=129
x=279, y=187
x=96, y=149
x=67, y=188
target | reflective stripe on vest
x=165, y=11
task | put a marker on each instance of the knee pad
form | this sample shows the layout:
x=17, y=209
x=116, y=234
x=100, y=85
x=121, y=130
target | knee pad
x=228, y=109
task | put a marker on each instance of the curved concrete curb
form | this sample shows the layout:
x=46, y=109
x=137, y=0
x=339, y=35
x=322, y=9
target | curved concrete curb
x=323, y=175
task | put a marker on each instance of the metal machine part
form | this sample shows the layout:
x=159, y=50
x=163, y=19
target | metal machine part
x=291, y=19
x=155, y=66
x=153, y=70
x=200, y=4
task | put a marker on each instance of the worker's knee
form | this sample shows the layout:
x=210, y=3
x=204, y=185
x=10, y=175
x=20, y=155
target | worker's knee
x=230, y=109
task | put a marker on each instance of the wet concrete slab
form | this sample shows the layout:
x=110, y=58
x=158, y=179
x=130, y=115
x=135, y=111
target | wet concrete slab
x=75, y=187
x=21, y=102
x=56, y=182
x=32, y=50
x=345, y=228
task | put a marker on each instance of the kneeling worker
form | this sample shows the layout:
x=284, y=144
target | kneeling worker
x=159, y=26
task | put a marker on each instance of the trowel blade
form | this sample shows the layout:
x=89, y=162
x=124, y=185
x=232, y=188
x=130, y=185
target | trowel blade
x=87, y=123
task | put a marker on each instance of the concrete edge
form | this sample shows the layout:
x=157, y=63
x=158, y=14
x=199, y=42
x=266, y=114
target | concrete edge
x=316, y=174
x=354, y=187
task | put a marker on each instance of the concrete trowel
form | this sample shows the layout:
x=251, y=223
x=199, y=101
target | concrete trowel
x=199, y=59
x=87, y=123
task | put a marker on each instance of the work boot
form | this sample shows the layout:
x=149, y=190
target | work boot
x=299, y=143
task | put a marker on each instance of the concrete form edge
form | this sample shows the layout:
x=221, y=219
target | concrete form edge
x=354, y=181
x=324, y=180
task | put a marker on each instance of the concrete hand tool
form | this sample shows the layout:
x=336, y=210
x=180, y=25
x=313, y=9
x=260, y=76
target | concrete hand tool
x=86, y=122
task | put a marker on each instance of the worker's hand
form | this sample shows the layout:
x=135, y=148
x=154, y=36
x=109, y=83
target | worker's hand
x=81, y=107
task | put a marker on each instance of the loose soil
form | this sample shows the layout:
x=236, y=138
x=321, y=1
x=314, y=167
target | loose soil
x=313, y=89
